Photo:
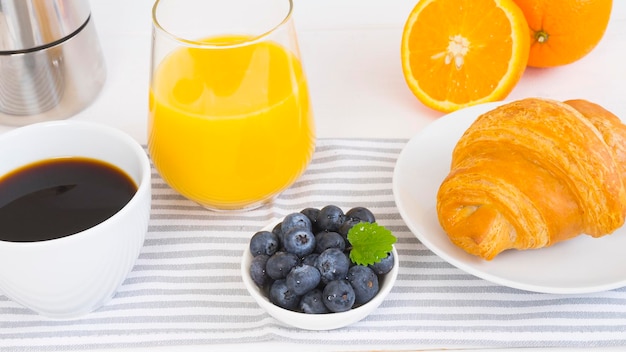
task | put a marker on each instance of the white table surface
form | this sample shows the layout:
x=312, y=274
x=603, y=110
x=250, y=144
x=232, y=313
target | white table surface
x=351, y=53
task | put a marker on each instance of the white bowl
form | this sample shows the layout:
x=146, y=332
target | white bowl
x=74, y=275
x=326, y=321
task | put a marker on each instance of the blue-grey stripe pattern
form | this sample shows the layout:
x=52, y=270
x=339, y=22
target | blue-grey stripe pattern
x=186, y=290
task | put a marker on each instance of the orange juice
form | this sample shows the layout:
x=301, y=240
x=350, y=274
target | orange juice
x=230, y=127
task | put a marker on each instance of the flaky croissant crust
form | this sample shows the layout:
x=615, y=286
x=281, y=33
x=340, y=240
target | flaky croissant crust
x=534, y=172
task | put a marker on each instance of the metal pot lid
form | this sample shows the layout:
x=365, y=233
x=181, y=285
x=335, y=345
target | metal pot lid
x=28, y=25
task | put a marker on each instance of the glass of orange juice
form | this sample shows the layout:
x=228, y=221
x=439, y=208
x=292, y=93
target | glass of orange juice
x=230, y=123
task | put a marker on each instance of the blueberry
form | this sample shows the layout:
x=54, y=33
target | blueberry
x=364, y=281
x=384, y=266
x=257, y=270
x=313, y=303
x=353, y=217
x=333, y=264
x=264, y=242
x=330, y=218
x=277, y=229
x=310, y=259
x=312, y=214
x=294, y=220
x=282, y=296
x=360, y=213
x=338, y=296
x=347, y=225
x=299, y=241
x=325, y=240
x=303, y=279
x=280, y=264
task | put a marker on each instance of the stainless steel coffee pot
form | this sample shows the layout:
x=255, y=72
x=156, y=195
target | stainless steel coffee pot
x=51, y=63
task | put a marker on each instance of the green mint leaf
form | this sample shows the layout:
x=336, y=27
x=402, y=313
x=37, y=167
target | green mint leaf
x=370, y=242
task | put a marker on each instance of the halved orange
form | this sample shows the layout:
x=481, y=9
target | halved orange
x=458, y=53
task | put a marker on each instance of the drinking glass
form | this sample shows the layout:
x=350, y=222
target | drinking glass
x=230, y=122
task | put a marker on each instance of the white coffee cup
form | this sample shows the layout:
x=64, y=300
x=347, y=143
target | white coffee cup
x=74, y=275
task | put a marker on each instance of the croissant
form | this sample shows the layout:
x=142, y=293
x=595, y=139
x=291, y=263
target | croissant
x=532, y=173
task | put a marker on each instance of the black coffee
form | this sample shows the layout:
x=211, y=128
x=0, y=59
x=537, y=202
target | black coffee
x=60, y=197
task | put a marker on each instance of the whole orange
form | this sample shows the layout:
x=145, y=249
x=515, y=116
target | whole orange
x=563, y=31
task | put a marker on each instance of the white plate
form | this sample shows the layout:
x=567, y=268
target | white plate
x=580, y=265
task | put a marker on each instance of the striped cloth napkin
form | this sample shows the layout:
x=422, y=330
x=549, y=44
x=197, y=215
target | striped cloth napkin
x=185, y=291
